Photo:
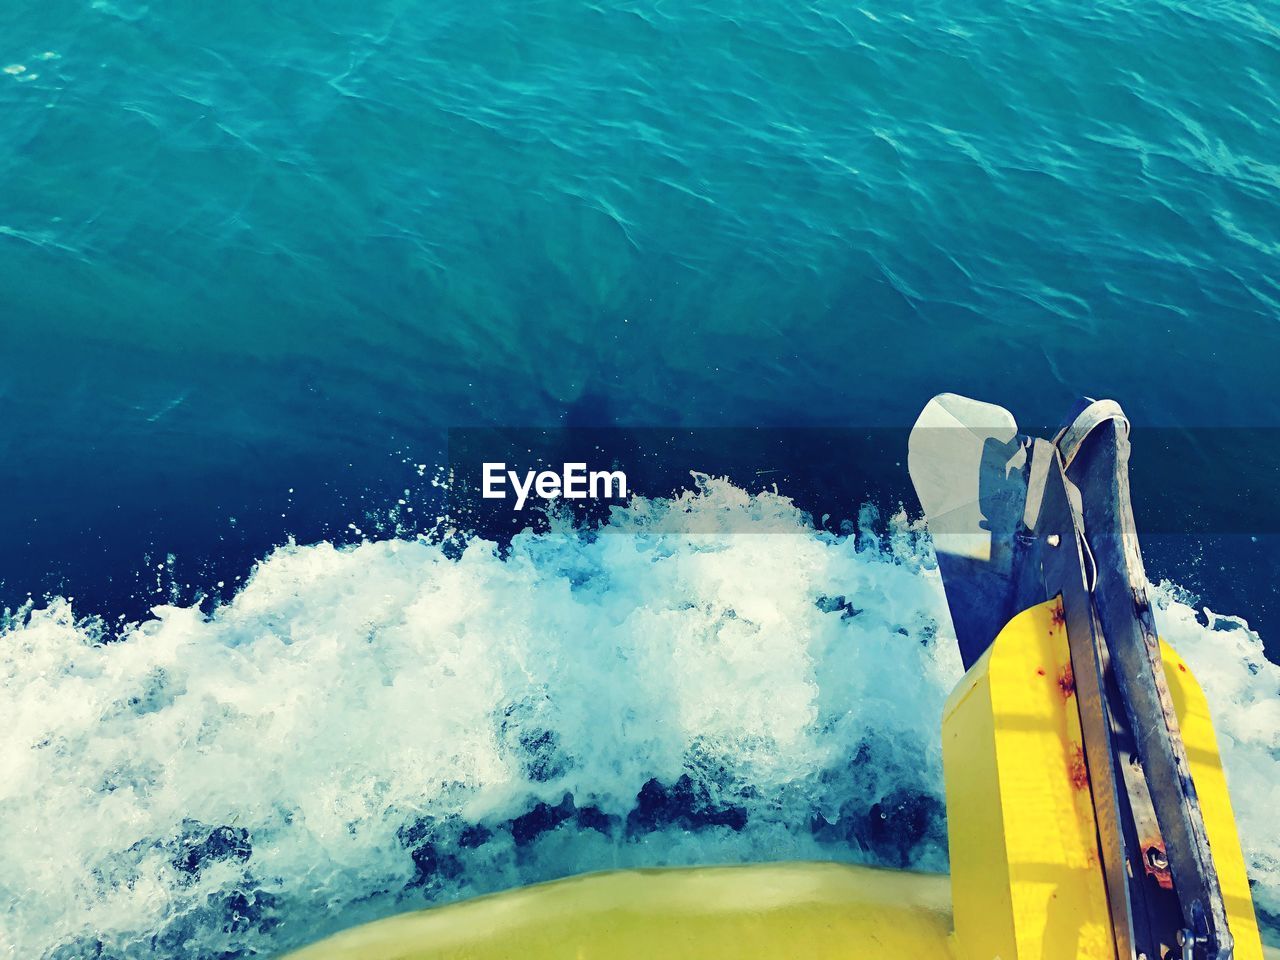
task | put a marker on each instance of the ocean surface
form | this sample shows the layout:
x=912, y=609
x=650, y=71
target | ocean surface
x=260, y=675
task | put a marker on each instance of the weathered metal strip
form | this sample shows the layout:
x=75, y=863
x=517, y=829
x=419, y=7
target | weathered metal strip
x=1179, y=855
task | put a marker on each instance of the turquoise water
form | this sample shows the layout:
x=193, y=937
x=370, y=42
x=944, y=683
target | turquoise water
x=254, y=264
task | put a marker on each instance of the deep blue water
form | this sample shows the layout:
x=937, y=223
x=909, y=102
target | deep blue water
x=242, y=252
x=254, y=264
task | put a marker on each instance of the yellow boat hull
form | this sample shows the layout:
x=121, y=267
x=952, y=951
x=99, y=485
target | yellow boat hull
x=811, y=910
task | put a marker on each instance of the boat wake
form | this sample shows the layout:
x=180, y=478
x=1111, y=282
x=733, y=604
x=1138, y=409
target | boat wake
x=368, y=729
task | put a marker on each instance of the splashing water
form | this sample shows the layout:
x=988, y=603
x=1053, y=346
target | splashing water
x=368, y=729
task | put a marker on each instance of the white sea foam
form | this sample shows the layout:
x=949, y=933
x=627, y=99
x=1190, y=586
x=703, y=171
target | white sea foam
x=365, y=729
x=1243, y=690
